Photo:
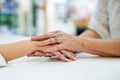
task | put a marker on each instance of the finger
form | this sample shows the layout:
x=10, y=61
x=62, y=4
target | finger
x=56, y=48
x=69, y=54
x=34, y=54
x=73, y=54
x=30, y=55
x=48, y=55
x=46, y=42
x=43, y=37
x=43, y=54
x=60, y=56
x=39, y=54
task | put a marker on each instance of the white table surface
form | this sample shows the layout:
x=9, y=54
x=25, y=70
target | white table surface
x=87, y=67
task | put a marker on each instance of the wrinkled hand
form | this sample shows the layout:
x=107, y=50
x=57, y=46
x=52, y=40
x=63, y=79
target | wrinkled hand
x=59, y=54
x=69, y=55
x=64, y=42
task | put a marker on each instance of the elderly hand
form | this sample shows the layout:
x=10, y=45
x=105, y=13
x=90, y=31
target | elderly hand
x=69, y=54
x=63, y=41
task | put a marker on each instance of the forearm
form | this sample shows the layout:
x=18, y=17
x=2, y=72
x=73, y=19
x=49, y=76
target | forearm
x=103, y=47
x=90, y=34
x=17, y=49
x=95, y=45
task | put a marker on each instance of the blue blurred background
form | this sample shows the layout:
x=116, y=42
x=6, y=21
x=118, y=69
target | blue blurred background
x=35, y=17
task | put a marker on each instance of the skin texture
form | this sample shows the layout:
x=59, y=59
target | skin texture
x=89, y=42
x=19, y=49
x=106, y=48
x=64, y=55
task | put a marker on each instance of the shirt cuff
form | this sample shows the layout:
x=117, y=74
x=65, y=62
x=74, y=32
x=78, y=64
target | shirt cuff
x=2, y=61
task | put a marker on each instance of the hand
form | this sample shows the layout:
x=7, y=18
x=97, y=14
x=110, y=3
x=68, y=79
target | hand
x=70, y=55
x=64, y=41
x=67, y=56
x=40, y=54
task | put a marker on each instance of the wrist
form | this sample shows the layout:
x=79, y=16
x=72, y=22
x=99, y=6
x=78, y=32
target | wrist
x=84, y=44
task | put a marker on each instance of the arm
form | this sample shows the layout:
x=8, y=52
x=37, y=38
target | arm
x=107, y=48
x=90, y=34
x=18, y=49
x=95, y=45
x=99, y=28
x=90, y=41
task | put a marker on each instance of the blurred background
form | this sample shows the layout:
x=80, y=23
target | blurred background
x=35, y=17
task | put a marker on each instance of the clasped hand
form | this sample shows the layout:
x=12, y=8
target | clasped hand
x=64, y=45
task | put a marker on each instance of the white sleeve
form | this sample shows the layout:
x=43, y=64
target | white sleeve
x=2, y=61
x=99, y=20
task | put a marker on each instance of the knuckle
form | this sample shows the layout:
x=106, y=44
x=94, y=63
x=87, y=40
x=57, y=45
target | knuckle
x=60, y=34
x=53, y=34
x=50, y=35
x=63, y=51
x=51, y=40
